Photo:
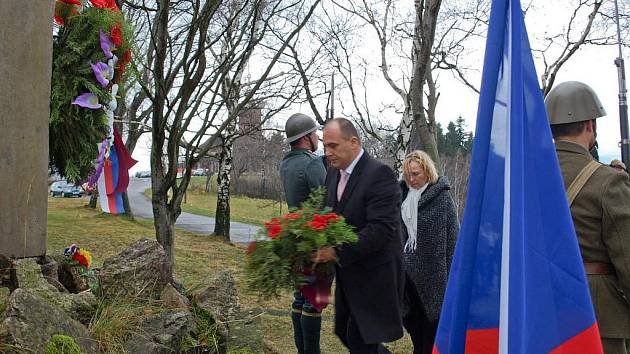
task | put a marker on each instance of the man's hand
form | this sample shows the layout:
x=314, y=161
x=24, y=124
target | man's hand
x=324, y=254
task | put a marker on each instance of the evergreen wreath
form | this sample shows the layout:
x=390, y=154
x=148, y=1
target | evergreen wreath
x=91, y=48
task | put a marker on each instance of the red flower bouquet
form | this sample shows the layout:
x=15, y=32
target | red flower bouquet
x=281, y=258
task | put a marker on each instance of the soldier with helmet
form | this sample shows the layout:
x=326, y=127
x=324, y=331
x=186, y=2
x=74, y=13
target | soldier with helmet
x=599, y=198
x=302, y=171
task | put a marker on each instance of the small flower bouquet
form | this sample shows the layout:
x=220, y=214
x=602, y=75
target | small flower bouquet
x=78, y=256
x=79, y=274
x=281, y=258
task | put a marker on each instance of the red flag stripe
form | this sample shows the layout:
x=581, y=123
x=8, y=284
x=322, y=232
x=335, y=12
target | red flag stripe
x=589, y=338
x=482, y=341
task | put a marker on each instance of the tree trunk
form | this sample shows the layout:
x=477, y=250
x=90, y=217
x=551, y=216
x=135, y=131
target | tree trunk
x=164, y=225
x=404, y=137
x=93, y=198
x=424, y=33
x=222, y=216
x=208, y=178
x=162, y=216
x=126, y=205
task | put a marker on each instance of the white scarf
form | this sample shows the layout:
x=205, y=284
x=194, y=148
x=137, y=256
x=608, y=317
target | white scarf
x=409, y=213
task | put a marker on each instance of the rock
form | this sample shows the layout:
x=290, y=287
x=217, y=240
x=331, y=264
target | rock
x=247, y=332
x=220, y=297
x=48, y=266
x=72, y=279
x=172, y=299
x=54, y=282
x=178, y=286
x=49, y=271
x=29, y=278
x=140, y=270
x=162, y=332
x=7, y=273
x=30, y=323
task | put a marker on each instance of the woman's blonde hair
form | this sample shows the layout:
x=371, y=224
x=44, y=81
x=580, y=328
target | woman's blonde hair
x=425, y=162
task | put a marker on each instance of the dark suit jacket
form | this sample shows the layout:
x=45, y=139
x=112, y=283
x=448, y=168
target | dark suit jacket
x=370, y=279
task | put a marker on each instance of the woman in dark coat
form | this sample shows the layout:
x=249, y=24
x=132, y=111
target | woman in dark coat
x=430, y=227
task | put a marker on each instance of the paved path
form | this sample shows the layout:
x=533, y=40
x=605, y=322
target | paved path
x=141, y=207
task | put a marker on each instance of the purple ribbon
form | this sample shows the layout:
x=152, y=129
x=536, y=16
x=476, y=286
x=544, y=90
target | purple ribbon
x=99, y=163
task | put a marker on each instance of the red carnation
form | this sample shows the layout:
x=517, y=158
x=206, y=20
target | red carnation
x=316, y=225
x=105, y=4
x=122, y=63
x=64, y=9
x=332, y=217
x=117, y=36
x=274, y=231
x=273, y=227
x=291, y=216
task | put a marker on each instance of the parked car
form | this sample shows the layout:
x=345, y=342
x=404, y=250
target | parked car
x=65, y=189
x=72, y=190
x=143, y=174
x=200, y=172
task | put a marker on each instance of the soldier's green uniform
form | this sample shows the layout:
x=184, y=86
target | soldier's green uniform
x=301, y=172
x=601, y=215
x=600, y=210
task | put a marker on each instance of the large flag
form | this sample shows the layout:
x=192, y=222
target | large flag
x=517, y=284
x=125, y=162
x=113, y=179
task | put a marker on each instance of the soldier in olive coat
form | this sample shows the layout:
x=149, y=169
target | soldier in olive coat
x=302, y=171
x=600, y=209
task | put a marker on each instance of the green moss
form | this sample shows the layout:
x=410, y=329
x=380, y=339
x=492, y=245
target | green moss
x=60, y=344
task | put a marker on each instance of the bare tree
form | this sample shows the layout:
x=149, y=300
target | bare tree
x=192, y=77
x=405, y=38
x=569, y=41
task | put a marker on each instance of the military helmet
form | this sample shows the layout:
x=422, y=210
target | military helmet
x=299, y=125
x=571, y=102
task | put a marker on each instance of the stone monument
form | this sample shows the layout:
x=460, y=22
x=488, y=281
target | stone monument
x=25, y=69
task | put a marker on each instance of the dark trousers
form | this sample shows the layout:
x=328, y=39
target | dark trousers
x=421, y=329
x=349, y=333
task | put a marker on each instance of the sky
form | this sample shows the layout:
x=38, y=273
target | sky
x=593, y=65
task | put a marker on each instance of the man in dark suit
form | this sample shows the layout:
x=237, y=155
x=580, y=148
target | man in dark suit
x=369, y=274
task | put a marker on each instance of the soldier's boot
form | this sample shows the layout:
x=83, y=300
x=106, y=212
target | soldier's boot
x=296, y=318
x=311, y=328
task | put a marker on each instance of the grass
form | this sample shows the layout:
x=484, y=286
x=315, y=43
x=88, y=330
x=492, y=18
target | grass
x=242, y=209
x=115, y=322
x=198, y=258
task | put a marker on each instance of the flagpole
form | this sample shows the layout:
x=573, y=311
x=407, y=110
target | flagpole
x=623, y=103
